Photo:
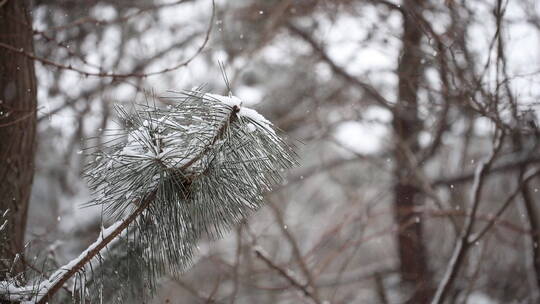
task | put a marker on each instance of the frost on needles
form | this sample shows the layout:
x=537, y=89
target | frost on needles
x=168, y=177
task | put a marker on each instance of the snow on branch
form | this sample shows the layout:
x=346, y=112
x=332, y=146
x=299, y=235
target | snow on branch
x=39, y=292
x=172, y=175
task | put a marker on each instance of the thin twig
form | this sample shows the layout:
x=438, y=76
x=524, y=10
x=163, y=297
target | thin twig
x=503, y=167
x=23, y=117
x=463, y=244
x=522, y=184
x=295, y=248
x=367, y=88
x=87, y=73
x=285, y=274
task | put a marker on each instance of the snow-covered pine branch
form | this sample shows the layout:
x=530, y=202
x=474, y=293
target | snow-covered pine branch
x=174, y=174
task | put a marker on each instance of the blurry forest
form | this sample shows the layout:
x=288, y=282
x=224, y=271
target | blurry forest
x=415, y=122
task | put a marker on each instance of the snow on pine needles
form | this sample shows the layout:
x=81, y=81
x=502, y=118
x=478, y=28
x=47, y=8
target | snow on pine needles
x=208, y=159
x=167, y=177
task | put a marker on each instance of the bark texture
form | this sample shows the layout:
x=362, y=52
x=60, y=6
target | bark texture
x=17, y=127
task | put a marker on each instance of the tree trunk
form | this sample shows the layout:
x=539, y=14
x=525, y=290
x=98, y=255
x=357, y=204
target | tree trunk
x=406, y=124
x=17, y=128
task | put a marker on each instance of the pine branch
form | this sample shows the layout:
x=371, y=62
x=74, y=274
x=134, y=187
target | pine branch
x=59, y=278
x=94, y=249
x=221, y=131
x=197, y=168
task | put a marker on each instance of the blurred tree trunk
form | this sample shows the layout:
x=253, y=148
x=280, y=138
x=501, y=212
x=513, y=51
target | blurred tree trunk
x=406, y=124
x=17, y=126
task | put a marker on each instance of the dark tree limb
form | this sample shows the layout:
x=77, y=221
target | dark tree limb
x=406, y=126
x=17, y=128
